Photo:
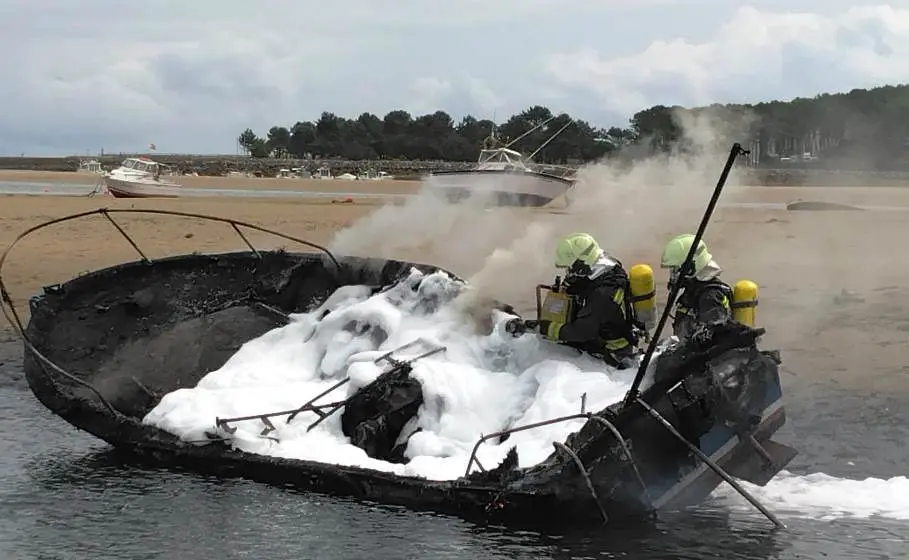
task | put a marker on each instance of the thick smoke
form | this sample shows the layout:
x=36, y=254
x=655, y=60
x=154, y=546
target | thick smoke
x=802, y=261
x=806, y=263
x=631, y=206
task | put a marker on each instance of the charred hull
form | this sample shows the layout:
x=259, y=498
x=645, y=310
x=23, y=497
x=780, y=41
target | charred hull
x=106, y=346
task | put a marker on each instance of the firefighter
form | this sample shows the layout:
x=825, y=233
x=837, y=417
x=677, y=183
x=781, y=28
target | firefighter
x=600, y=319
x=703, y=297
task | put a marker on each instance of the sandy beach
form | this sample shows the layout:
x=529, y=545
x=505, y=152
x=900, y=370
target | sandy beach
x=833, y=284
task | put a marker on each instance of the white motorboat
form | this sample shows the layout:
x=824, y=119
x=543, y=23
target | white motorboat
x=507, y=176
x=140, y=177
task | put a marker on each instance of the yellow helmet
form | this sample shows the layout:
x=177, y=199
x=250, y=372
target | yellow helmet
x=577, y=247
x=677, y=249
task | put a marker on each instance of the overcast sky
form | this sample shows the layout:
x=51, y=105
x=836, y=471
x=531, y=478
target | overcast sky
x=190, y=75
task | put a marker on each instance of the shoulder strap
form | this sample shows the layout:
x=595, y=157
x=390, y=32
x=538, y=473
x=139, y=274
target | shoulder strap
x=717, y=283
x=631, y=317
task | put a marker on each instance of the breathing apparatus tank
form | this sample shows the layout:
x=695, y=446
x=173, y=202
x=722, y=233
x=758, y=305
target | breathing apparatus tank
x=744, y=302
x=643, y=294
x=556, y=306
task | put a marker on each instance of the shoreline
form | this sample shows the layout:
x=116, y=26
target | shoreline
x=385, y=186
x=392, y=191
x=199, y=169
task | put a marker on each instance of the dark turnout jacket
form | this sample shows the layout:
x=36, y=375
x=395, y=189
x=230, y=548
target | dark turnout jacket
x=603, y=321
x=701, y=302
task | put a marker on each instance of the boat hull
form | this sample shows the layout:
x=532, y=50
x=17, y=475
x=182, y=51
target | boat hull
x=131, y=188
x=188, y=346
x=103, y=348
x=500, y=187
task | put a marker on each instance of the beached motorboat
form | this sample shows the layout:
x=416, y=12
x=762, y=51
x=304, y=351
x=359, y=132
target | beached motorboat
x=103, y=349
x=139, y=177
x=505, y=177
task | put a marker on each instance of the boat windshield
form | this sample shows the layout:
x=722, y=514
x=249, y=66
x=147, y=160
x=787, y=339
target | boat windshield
x=501, y=158
x=140, y=165
x=501, y=155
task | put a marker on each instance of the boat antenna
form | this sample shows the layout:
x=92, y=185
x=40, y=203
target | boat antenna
x=551, y=138
x=529, y=131
x=633, y=393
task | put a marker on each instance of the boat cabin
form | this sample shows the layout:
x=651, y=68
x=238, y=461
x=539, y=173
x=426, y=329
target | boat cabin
x=90, y=166
x=501, y=159
x=142, y=165
x=372, y=175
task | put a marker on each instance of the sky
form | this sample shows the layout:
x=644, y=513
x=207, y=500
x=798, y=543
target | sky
x=190, y=76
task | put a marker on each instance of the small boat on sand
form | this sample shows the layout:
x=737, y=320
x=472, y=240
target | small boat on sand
x=139, y=177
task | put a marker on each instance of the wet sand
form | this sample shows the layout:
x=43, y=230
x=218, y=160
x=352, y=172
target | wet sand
x=834, y=295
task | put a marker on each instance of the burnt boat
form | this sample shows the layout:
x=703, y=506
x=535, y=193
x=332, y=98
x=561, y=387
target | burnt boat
x=104, y=347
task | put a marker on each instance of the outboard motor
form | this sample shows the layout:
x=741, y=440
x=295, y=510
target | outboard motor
x=742, y=376
x=748, y=384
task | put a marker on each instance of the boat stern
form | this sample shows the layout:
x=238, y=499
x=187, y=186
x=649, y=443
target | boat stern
x=749, y=413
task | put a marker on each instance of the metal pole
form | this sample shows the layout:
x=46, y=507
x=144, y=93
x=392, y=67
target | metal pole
x=713, y=466
x=633, y=394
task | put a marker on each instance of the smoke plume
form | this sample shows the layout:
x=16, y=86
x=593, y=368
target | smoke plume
x=631, y=206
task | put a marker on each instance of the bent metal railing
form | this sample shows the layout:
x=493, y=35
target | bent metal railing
x=562, y=448
x=317, y=409
x=8, y=307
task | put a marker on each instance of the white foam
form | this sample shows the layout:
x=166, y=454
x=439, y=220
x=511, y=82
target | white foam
x=824, y=497
x=482, y=383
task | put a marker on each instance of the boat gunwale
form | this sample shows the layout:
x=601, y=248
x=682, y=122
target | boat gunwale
x=157, y=441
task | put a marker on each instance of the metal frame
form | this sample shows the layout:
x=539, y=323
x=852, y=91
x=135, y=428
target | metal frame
x=562, y=448
x=8, y=307
x=223, y=423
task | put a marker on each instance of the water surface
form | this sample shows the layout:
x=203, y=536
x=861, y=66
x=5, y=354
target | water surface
x=66, y=495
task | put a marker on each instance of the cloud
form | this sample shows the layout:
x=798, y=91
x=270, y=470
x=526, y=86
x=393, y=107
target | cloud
x=190, y=76
x=459, y=94
x=755, y=56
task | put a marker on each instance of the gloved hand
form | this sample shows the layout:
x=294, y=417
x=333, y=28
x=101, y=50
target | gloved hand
x=623, y=359
x=625, y=362
x=643, y=335
x=517, y=327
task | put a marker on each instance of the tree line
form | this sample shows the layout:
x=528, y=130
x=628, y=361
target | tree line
x=435, y=136
x=864, y=128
